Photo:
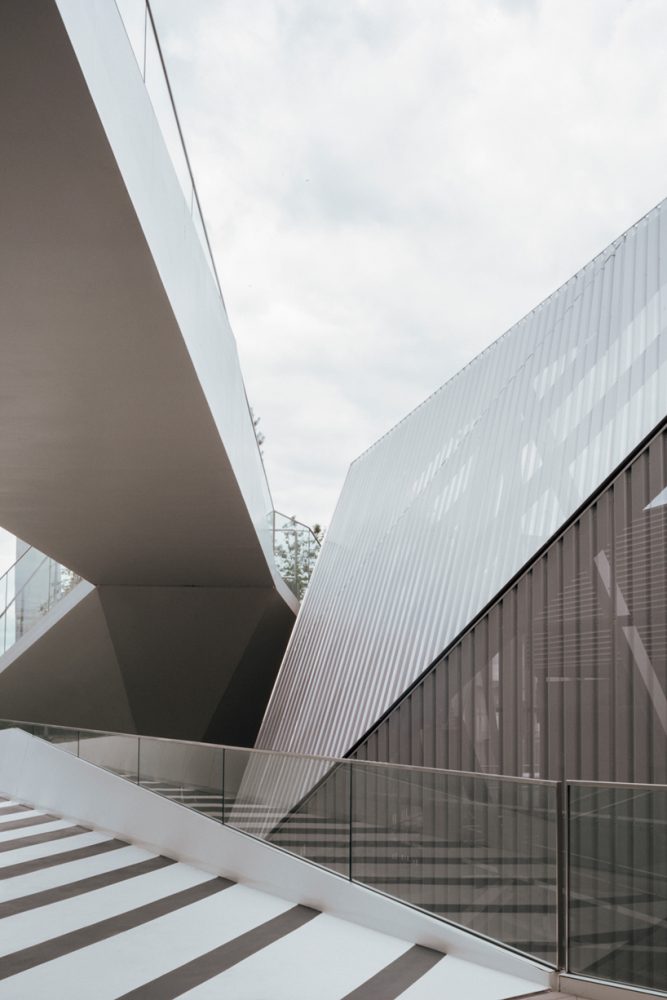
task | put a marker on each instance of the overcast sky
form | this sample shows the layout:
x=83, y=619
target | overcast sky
x=389, y=186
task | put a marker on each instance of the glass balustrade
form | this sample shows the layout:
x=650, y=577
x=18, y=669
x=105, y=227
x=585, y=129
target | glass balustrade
x=139, y=24
x=480, y=851
x=187, y=773
x=300, y=804
x=617, y=906
x=295, y=548
x=28, y=589
x=476, y=850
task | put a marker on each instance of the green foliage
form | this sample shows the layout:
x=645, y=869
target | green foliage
x=296, y=549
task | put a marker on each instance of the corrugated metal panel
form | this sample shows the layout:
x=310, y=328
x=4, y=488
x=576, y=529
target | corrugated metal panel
x=565, y=675
x=448, y=505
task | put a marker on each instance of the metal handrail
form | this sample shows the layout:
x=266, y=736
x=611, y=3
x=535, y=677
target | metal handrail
x=36, y=570
x=185, y=150
x=290, y=753
x=53, y=596
x=297, y=524
x=232, y=797
x=633, y=785
x=15, y=563
x=195, y=194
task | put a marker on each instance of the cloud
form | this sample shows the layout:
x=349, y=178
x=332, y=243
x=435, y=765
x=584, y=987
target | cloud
x=388, y=187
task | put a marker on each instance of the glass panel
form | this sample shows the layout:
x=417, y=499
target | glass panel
x=479, y=851
x=66, y=739
x=33, y=590
x=11, y=724
x=286, y=800
x=618, y=884
x=201, y=233
x=28, y=590
x=156, y=84
x=113, y=752
x=187, y=773
x=8, y=609
x=295, y=550
x=133, y=15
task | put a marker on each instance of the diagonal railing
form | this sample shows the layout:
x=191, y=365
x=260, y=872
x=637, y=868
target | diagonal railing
x=572, y=874
x=139, y=24
x=28, y=589
x=472, y=849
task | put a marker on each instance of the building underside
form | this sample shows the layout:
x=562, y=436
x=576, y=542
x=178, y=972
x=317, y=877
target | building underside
x=565, y=674
x=471, y=713
x=128, y=452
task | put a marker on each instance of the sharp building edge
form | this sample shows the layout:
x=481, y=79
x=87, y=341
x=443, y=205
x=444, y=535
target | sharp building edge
x=128, y=452
x=447, y=507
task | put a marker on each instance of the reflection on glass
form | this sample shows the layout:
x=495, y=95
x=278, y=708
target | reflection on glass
x=618, y=884
x=65, y=739
x=296, y=549
x=156, y=84
x=479, y=851
x=201, y=233
x=133, y=15
x=29, y=589
x=187, y=773
x=113, y=752
x=140, y=30
x=286, y=800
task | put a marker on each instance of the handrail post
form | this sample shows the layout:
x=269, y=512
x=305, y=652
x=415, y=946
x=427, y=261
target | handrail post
x=349, y=829
x=562, y=842
x=222, y=789
x=138, y=759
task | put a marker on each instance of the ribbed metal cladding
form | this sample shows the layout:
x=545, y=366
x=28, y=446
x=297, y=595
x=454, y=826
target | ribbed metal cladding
x=443, y=510
x=565, y=676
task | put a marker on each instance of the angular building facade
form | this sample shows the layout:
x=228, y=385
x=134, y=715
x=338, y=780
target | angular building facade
x=565, y=674
x=445, y=523
x=128, y=452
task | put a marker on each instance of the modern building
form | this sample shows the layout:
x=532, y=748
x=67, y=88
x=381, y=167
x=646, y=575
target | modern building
x=128, y=453
x=459, y=787
x=491, y=599
x=491, y=593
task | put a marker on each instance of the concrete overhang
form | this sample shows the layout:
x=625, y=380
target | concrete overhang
x=127, y=450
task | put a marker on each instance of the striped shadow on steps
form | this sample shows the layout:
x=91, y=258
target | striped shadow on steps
x=61, y=892
x=8, y=809
x=20, y=824
x=61, y=858
x=42, y=838
x=396, y=977
x=56, y=947
x=108, y=920
x=200, y=970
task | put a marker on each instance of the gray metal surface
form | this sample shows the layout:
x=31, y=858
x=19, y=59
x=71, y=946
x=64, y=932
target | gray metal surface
x=132, y=458
x=444, y=509
x=128, y=451
x=565, y=675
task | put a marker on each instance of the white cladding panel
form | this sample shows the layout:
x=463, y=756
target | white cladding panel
x=445, y=508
